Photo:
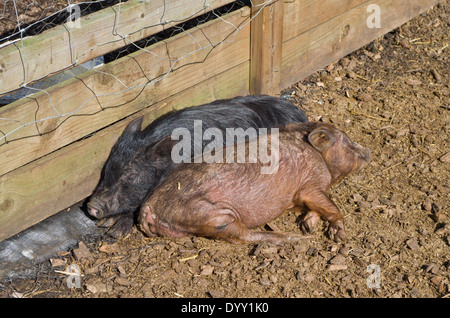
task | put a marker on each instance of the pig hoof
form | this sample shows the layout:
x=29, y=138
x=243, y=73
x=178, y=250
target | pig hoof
x=336, y=232
x=118, y=225
x=308, y=221
x=117, y=232
x=106, y=222
x=305, y=228
x=122, y=227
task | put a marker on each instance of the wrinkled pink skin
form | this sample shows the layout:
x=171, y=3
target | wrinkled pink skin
x=226, y=200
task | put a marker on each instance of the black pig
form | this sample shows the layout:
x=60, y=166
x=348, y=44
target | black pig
x=135, y=166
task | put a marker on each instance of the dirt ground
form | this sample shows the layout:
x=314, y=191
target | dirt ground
x=392, y=96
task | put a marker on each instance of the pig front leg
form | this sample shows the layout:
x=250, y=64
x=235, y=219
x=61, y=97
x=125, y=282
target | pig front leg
x=322, y=206
x=308, y=220
x=119, y=225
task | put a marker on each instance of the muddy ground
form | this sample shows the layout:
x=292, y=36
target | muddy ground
x=392, y=96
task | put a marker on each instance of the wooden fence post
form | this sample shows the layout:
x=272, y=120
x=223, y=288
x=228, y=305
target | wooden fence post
x=266, y=38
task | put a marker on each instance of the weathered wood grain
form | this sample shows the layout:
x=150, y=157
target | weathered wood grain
x=99, y=33
x=266, y=34
x=331, y=40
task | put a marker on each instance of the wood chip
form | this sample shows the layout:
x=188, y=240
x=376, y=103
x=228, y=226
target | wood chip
x=436, y=280
x=344, y=250
x=359, y=261
x=82, y=252
x=436, y=76
x=123, y=281
x=56, y=262
x=443, y=228
x=96, y=288
x=432, y=268
x=364, y=97
x=262, y=265
x=357, y=197
x=413, y=82
x=337, y=267
x=109, y=248
x=216, y=294
x=207, y=270
x=339, y=259
x=63, y=253
x=122, y=271
x=403, y=43
x=412, y=244
x=427, y=204
x=445, y=158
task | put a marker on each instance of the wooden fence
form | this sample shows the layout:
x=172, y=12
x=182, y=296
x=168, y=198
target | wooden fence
x=49, y=161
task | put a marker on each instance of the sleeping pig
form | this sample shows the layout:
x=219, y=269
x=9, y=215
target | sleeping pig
x=227, y=199
x=134, y=167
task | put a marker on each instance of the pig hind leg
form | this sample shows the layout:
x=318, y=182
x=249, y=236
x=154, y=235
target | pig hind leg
x=227, y=227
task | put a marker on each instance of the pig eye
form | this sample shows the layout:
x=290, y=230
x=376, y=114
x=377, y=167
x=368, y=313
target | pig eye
x=133, y=178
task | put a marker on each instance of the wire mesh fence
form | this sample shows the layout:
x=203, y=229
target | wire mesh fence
x=50, y=42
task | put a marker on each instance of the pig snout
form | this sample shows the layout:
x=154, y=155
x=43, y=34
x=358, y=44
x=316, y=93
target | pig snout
x=94, y=209
x=366, y=155
x=143, y=219
x=363, y=153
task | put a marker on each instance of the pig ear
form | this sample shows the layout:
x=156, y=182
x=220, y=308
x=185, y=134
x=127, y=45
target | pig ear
x=292, y=127
x=163, y=147
x=321, y=139
x=134, y=126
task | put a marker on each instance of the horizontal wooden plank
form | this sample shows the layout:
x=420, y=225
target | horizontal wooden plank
x=99, y=33
x=121, y=88
x=301, y=16
x=329, y=41
x=44, y=187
